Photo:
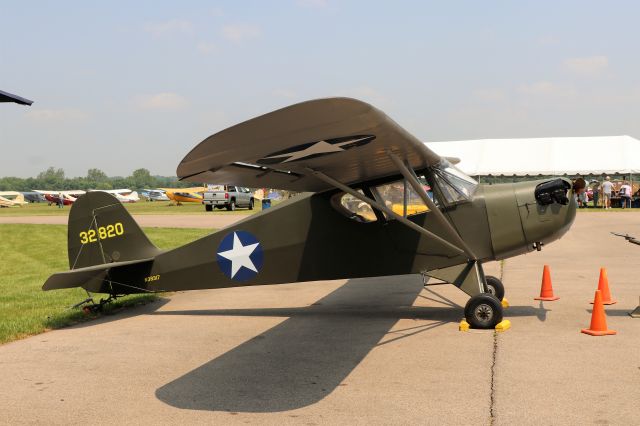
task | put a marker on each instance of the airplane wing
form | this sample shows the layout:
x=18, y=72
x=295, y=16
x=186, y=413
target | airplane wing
x=4, y=202
x=8, y=97
x=343, y=138
x=184, y=190
x=74, y=192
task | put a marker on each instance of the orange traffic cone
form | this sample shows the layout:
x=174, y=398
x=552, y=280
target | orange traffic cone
x=598, y=325
x=603, y=286
x=546, y=292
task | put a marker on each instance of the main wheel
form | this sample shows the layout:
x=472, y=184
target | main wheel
x=251, y=204
x=208, y=207
x=495, y=287
x=483, y=311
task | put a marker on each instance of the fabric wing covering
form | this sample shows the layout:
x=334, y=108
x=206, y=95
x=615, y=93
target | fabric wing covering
x=343, y=138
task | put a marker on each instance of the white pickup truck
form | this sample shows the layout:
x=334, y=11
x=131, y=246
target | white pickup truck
x=227, y=196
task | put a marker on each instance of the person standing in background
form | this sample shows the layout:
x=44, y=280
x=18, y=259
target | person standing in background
x=625, y=194
x=596, y=193
x=579, y=190
x=607, y=187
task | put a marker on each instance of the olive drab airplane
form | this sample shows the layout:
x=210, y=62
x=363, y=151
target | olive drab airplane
x=355, y=166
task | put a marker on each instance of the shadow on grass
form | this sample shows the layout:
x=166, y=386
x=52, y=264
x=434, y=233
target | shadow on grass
x=125, y=307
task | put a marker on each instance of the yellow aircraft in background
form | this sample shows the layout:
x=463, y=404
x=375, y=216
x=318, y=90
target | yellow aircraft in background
x=185, y=195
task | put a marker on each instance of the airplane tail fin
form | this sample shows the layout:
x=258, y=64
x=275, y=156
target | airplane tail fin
x=101, y=231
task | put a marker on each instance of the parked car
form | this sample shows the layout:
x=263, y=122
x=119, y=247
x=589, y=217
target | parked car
x=227, y=196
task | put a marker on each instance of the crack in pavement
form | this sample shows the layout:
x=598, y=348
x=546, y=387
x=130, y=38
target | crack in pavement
x=492, y=395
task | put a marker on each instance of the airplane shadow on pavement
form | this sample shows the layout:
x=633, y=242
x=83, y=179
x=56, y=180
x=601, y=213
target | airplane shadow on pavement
x=304, y=358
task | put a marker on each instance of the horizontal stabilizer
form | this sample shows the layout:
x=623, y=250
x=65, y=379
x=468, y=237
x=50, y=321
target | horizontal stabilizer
x=89, y=278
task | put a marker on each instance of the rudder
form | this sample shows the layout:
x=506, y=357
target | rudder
x=102, y=231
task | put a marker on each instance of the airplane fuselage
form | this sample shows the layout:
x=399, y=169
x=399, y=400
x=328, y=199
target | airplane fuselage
x=307, y=239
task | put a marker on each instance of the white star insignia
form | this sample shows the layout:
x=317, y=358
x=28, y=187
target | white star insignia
x=320, y=147
x=239, y=255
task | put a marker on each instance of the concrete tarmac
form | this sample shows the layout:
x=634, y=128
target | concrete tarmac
x=367, y=351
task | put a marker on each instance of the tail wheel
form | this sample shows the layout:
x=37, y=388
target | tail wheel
x=495, y=287
x=251, y=204
x=483, y=311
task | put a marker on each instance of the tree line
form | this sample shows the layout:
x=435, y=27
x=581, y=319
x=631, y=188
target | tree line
x=55, y=180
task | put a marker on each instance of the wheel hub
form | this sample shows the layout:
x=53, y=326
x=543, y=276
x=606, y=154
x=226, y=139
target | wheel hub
x=483, y=313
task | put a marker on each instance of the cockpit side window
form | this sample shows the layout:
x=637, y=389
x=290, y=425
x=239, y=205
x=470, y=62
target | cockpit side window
x=392, y=195
x=354, y=208
x=451, y=186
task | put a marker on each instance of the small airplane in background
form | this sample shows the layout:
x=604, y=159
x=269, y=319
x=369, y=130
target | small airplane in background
x=154, y=194
x=123, y=195
x=185, y=195
x=33, y=197
x=11, y=198
x=68, y=196
x=353, y=164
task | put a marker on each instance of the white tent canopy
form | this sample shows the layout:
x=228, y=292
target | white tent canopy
x=544, y=156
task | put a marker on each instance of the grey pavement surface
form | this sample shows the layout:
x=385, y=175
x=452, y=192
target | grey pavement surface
x=367, y=351
x=212, y=221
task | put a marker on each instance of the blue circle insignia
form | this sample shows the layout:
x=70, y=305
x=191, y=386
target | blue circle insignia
x=240, y=256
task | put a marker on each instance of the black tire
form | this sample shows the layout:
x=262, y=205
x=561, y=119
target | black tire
x=208, y=207
x=483, y=311
x=232, y=205
x=495, y=287
x=251, y=204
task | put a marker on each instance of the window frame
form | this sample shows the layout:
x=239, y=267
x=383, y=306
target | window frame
x=431, y=171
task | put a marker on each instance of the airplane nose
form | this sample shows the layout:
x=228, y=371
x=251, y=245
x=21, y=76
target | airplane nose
x=524, y=216
x=547, y=210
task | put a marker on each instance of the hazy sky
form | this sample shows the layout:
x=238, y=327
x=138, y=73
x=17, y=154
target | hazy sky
x=123, y=85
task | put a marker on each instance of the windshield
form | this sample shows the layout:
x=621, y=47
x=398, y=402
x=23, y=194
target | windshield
x=454, y=184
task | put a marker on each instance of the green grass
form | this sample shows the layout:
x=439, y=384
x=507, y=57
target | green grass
x=29, y=254
x=141, y=207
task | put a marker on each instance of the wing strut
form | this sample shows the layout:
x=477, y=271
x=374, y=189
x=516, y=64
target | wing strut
x=411, y=177
x=384, y=209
